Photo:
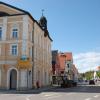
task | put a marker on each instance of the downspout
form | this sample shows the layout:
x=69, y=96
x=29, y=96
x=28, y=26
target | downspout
x=33, y=55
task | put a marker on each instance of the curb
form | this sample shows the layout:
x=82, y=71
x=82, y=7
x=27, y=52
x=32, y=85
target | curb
x=32, y=91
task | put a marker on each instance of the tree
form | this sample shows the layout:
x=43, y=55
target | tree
x=98, y=74
x=89, y=75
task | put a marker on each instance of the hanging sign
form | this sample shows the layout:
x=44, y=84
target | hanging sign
x=24, y=63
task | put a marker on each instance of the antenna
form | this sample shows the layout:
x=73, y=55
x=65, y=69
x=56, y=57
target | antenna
x=42, y=11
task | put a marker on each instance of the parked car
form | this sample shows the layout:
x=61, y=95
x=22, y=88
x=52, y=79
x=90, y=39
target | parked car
x=91, y=82
x=68, y=83
x=86, y=80
x=72, y=83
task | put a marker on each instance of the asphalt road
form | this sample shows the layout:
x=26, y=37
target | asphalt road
x=81, y=92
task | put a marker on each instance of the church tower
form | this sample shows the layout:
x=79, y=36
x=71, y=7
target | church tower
x=43, y=21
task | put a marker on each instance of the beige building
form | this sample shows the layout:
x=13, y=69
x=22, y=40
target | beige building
x=25, y=49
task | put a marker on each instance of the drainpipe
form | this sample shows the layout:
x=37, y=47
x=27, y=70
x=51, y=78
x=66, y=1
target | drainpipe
x=27, y=78
x=32, y=55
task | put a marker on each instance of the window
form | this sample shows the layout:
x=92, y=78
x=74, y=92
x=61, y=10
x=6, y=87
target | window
x=68, y=65
x=30, y=52
x=0, y=32
x=14, y=50
x=31, y=36
x=15, y=33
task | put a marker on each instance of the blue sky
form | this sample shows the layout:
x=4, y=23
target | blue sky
x=74, y=25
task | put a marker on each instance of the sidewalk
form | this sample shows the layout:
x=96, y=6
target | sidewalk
x=82, y=83
x=32, y=91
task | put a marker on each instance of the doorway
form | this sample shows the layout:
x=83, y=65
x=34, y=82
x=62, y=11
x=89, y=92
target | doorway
x=13, y=79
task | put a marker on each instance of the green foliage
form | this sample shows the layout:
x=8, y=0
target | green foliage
x=98, y=74
x=89, y=75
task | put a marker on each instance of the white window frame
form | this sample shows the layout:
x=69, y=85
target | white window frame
x=11, y=49
x=30, y=52
x=15, y=26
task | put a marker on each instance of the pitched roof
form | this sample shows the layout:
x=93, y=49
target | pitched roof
x=14, y=7
x=24, y=12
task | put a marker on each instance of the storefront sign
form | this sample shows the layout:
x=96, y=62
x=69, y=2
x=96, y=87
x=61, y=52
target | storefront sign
x=24, y=64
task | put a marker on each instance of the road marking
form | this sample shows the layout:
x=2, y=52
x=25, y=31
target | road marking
x=28, y=97
x=47, y=95
x=96, y=96
x=51, y=97
x=52, y=94
x=88, y=99
x=70, y=93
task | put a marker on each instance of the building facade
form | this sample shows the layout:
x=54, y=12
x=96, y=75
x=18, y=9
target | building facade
x=66, y=63
x=75, y=73
x=55, y=63
x=25, y=49
x=62, y=65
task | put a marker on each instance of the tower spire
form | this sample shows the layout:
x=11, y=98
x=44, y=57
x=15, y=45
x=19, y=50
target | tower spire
x=42, y=11
x=43, y=21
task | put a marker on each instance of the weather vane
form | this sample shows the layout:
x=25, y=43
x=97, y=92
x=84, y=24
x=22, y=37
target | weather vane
x=42, y=11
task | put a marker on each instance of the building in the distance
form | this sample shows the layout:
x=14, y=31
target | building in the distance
x=55, y=66
x=55, y=63
x=62, y=65
x=96, y=74
x=66, y=64
x=98, y=68
x=25, y=49
x=75, y=73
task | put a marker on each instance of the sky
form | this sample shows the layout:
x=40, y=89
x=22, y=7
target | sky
x=74, y=26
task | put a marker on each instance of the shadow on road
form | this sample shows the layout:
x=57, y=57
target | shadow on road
x=86, y=89
x=80, y=89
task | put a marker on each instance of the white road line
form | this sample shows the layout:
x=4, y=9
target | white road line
x=96, y=96
x=52, y=94
x=27, y=98
x=47, y=95
x=71, y=93
x=88, y=99
x=51, y=97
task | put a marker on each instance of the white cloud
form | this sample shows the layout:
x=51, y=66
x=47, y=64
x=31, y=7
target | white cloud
x=87, y=61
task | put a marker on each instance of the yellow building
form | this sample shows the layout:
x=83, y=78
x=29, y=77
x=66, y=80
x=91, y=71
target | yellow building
x=25, y=49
